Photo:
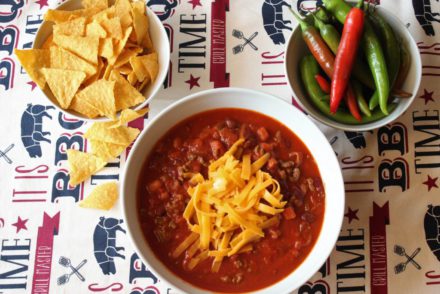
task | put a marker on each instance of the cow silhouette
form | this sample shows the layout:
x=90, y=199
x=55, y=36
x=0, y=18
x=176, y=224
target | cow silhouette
x=32, y=128
x=274, y=24
x=104, y=243
x=432, y=229
x=424, y=15
x=137, y=271
x=162, y=8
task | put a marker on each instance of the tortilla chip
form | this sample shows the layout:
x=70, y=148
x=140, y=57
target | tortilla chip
x=100, y=96
x=104, y=197
x=125, y=56
x=98, y=73
x=48, y=43
x=83, y=108
x=106, y=151
x=117, y=49
x=106, y=48
x=63, y=59
x=113, y=27
x=147, y=44
x=102, y=4
x=82, y=165
x=104, y=14
x=141, y=86
x=121, y=135
x=84, y=47
x=128, y=115
x=32, y=61
x=125, y=94
x=138, y=68
x=122, y=10
x=63, y=84
x=125, y=69
x=140, y=20
x=75, y=27
x=59, y=16
x=150, y=64
x=94, y=29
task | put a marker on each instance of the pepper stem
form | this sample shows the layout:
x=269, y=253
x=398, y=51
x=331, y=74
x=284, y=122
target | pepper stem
x=301, y=22
x=318, y=22
x=360, y=4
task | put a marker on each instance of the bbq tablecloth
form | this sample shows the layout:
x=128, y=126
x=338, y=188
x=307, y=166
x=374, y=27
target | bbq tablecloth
x=390, y=239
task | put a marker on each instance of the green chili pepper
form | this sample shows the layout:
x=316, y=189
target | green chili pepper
x=308, y=69
x=332, y=38
x=392, y=51
x=372, y=48
x=363, y=105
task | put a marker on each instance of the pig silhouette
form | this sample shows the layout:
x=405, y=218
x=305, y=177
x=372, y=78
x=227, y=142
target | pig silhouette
x=32, y=128
x=272, y=12
x=104, y=243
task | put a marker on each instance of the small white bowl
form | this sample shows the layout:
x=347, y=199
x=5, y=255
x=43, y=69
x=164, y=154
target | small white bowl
x=268, y=105
x=296, y=49
x=160, y=42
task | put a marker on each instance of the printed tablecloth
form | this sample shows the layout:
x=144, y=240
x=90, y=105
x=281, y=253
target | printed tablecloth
x=390, y=239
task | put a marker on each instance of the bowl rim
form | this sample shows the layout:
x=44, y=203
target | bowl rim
x=151, y=15
x=370, y=125
x=329, y=240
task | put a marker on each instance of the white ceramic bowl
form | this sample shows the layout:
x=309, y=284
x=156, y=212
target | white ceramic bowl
x=263, y=103
x=296, y=49
x=160, y=42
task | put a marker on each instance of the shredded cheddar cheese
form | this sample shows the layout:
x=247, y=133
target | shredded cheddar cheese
x=229, y=210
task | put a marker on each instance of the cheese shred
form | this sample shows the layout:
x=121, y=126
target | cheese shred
x=228, y=211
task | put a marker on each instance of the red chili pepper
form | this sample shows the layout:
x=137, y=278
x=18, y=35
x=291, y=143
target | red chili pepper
x=351, y=36
x=323, y=84
x=350, y=100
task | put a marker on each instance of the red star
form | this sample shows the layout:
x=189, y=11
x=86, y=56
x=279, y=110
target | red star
x=42, y=3
x=20, y=224
x=33, y=85
x=195, y=3
x=351, y=215
x=431, y=183
x=193, y=82
x=427, y=96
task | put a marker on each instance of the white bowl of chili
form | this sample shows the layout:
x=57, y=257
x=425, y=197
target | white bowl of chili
x=296, y=49
x=153, y=183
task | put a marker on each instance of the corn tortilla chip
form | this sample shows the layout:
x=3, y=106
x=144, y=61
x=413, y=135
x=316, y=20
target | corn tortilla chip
x=83, y=108
x=100, y=96
x=104, y=14
x=75, y=27
x=125, y=56
x=82, y=165
x=63, y=84
x=127, y=115
x=104, y=197
x=48, y=43
x=32, y=61
x=121, y=135
x=113, y=27
x=117, y=49
x=140, y=20
x=106, y=48
x=94, y=29
x=122, y=10
x=97, y=75
x=63, y=59
x=106, y=151
x=150, y=64
x=59, y=16
x=102, y=4
x=138, y=68
x=125, y=69
x=84, y=47
x=125, y=94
